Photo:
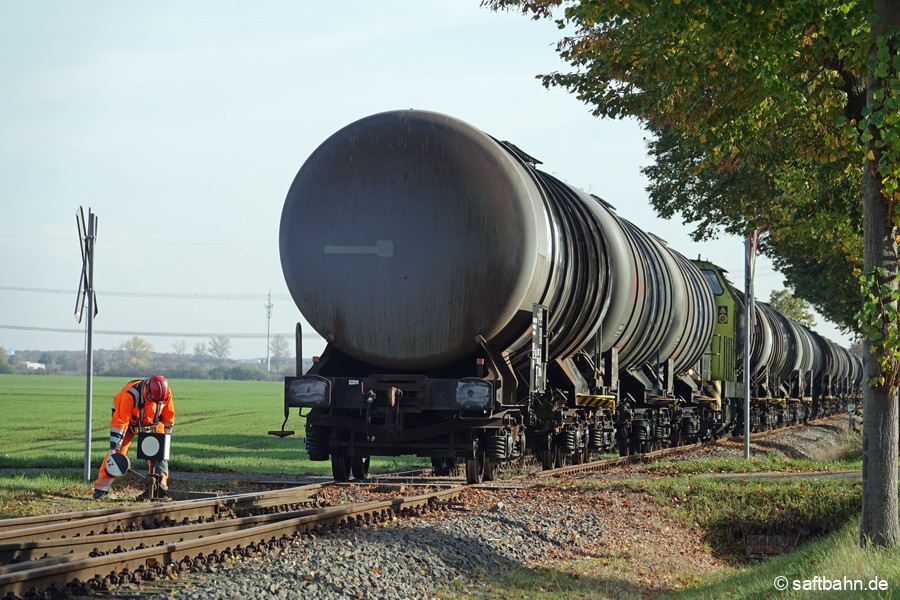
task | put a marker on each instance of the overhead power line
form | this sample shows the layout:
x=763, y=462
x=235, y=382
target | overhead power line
x=167, y=295
x=142, y=242
x=250, y=336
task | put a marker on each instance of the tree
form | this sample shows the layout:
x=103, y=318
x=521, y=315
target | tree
x=796, y=105
x=220, y=348
x=136, y=351
x=179, y=348
x=101, y=361
x=881, y=172
x=279, y=350
x=48, y=360
x=201, y=354
x=818, y=251
x=72, y=362
x=5, y=366
x=795, y=308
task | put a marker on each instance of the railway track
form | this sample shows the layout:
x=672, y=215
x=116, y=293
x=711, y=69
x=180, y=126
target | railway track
x=54, y=556
x=78, y=554
x=655, y=455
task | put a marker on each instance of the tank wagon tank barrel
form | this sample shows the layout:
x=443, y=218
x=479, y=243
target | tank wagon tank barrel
x=408, y=234
x=790, y=360
x=476, y=307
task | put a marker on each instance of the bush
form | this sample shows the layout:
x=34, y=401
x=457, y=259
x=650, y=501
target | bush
x=238, y=373
x=186, y=372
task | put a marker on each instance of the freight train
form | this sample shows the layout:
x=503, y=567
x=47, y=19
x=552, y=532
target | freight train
x=476, y=309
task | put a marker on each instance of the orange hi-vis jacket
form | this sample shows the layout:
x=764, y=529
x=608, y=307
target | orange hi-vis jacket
x=133, y=411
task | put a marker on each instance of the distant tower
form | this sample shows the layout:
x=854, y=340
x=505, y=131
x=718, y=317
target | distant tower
x=268, y=326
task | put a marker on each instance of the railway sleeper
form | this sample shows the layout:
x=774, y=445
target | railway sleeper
x=153, y=571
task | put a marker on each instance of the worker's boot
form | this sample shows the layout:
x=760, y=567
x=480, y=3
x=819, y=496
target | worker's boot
x=99, y=493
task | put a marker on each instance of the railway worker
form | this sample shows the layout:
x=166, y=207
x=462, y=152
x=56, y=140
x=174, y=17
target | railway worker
x=142, y=405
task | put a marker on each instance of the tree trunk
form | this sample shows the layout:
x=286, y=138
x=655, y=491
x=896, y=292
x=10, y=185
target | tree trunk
x=879, y=524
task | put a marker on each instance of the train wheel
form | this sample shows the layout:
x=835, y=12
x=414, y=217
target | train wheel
x=577, y=456
x=547, y=459
x=475, y=468
x=317, y=438
x=491, y=469
x=340, y=465
x=359, y=466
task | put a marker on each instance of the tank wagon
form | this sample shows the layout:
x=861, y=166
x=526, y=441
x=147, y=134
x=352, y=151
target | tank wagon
x=476, y=309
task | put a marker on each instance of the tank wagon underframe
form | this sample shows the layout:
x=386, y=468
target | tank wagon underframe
x=478, y=309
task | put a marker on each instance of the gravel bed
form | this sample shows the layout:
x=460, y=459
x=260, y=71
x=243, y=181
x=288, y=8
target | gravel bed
x=824, y=441
x=498, y=530
x=820, y=442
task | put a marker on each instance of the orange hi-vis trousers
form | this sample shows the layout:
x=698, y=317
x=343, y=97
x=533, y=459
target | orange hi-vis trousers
x=161, y=468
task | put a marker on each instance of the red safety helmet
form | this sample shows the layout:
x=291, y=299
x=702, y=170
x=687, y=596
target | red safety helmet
x=157, y=388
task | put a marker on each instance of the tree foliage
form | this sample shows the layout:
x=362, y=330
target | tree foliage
x=878, y=319
x=797, y=309
x=238, y=373
x=5, y=366
x=758, y=115
x=137, y=351
x=817, y=250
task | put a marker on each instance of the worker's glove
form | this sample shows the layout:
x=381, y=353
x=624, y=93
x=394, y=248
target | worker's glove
x=113, y=447
x=167, y=428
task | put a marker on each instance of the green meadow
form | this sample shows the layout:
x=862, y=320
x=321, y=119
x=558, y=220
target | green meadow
x=220, y=426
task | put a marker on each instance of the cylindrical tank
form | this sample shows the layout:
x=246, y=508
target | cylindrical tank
x=803, y=347
x=827, y=354
x=764, y=344
x=856, y=370
x=844, y=362
x=787, y=363
x=777, y=359
x=407, y=234
x=818, y=356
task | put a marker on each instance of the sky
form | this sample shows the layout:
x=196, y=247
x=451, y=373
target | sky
x=182, y=124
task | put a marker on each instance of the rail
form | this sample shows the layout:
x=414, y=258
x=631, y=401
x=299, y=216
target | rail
x=81, y=570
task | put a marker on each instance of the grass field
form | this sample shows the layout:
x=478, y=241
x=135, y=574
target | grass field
x=220, y=426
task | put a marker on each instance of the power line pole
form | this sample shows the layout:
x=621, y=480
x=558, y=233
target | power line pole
x=750, y=305
x=87, y=234
x=268, y=326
